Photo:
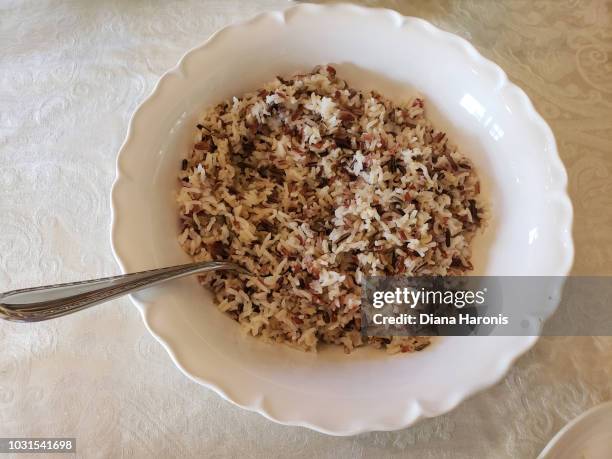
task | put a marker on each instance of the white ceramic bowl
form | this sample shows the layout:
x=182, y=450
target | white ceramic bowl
x=490, y=119
x=588, y=436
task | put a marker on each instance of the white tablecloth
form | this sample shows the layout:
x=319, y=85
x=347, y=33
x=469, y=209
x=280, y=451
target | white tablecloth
x=71, y=74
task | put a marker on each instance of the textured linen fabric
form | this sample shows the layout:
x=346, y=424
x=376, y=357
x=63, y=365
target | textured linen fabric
x=72, y=73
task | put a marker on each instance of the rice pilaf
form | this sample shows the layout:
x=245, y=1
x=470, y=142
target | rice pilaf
x=312, y=185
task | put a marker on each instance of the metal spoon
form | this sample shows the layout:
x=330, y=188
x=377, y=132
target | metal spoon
x=47, y=302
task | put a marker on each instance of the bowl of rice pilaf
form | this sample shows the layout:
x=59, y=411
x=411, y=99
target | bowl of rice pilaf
x=317, y=147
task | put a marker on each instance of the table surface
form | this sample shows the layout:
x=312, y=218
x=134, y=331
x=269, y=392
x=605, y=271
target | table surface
x=72, y=73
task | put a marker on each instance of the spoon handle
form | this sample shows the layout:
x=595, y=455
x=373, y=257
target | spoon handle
x=47, y=302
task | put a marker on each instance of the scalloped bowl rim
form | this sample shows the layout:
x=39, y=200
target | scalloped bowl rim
x=416, y=411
